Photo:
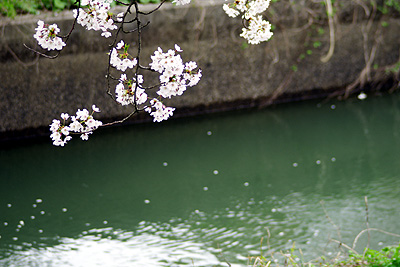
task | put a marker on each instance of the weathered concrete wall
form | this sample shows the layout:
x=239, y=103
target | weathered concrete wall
x=33, y=90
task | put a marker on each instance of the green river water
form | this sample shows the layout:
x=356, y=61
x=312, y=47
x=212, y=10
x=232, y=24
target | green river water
x=205, y=190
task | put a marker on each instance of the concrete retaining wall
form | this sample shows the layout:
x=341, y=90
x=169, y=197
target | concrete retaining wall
x=33, y=90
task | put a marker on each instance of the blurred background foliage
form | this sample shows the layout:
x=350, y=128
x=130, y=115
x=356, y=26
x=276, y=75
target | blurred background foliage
x=11, y=8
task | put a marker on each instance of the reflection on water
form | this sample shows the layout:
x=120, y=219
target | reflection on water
x=108, y=247
x=207, y=190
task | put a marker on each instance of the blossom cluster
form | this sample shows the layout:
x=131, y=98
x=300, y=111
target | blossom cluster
x=258, y=30
x=121, y=60
x=83, y=123
x=95, y=16
x=159, y=111
x=126, y=91
x=175, y=75
x=46, y=35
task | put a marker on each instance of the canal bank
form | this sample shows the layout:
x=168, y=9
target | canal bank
x=235, y=75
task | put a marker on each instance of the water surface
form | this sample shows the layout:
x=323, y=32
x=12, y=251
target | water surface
x=205, y=190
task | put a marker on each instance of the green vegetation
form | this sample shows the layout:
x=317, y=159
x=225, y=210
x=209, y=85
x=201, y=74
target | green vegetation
x=11, y=8
x=387, y=257
x=389, y=4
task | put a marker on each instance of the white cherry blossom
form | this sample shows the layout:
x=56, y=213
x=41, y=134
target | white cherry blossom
x=127, y=89
x=121, y=60
x=175, y=76
x=95, y=16
x=257, y=29
x=83, y=123
x=159, y=111
x=46, y=35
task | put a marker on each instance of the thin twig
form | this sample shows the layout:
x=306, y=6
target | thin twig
x=329, y=219
x=42, y=54
x=344, y=245
x=371, y=229
x=367, y=220
x=120, y=121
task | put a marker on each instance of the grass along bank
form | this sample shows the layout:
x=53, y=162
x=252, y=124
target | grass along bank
x=347, y=256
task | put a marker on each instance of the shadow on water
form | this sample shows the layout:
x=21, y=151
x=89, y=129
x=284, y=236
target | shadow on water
x=184, y=191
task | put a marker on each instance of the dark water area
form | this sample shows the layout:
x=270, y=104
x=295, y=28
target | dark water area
x=199, y=191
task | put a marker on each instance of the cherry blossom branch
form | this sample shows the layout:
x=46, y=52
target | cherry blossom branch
x=175, y=76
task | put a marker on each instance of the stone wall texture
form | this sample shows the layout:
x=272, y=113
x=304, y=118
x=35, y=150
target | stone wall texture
x=34, y=90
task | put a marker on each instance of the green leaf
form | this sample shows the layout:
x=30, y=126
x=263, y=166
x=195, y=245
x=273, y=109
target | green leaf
x=317, y=44
x=60, y=4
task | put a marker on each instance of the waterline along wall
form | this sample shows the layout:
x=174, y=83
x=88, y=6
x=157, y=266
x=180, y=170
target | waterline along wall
x=35, y=90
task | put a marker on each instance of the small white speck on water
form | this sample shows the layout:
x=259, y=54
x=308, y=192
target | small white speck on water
x=146, y=201
x=17, y=230
x=333, y=159
x=215, y=172
x=5, y=223
x=165, y=164
x=246, y=184
x=64, y=210
x=21, y=222
x=308, y=242
x=87, y=224
x=39, y=200
x=15, y=238
x=105, y=222
x=295, y=164
x=273, y=210
x=333, y=106
x=318, y=162
x=34, y=205
x=281, y=234
x=205, y=188
x=380, y=243
x=362, y=96
x=32, y=217
x=196, y=211
x=42, y=212
x=40, y=231
x=9, y=205
x=198, y=223
x=209, y=133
